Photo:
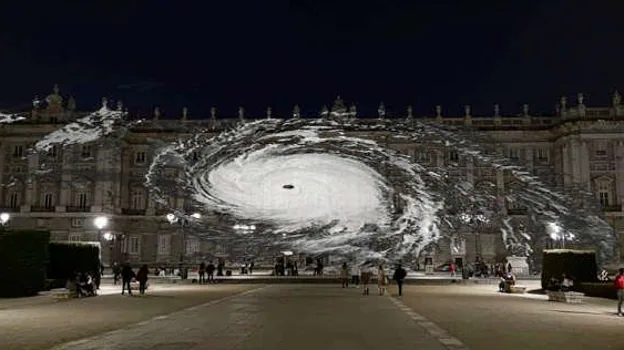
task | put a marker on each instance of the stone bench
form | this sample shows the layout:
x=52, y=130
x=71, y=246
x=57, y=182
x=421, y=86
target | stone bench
x=565, y=297
x=62, y=294
x=515, y=289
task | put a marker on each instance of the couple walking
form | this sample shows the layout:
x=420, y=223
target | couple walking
x=382, y=279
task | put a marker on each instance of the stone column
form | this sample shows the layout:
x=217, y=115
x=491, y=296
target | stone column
x=66, y=179
x=567, y=169
x=30, y=193
x=470, y=170
x=2, y=170
x=104, y=190
x=584, y=164
x=619, y=175
x=528, y=156
x=574, y=154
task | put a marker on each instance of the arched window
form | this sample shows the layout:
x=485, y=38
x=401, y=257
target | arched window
x=137, y=198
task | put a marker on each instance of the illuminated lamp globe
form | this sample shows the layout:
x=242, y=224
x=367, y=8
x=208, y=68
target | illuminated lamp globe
x=100, y=222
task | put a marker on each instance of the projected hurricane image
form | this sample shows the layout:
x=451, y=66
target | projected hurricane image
x=318, y=185
x=383, y=189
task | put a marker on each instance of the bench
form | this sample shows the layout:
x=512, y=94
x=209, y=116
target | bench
x=565, y=297
x=61, y=294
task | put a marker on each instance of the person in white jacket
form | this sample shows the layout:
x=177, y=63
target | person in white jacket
x=382, y=281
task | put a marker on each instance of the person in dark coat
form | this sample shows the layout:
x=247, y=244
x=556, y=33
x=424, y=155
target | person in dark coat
x=202, y=273
x=210, y=269
x=126, y=277
x=141, y=277
x=399, y=277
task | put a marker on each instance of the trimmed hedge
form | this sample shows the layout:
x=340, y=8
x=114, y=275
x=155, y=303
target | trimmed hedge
x=23, y=256
x=66, y=259
x=597, y=289
x=578, y=264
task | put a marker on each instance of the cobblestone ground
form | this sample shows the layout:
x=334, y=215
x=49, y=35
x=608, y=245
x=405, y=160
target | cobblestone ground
x=40, y=323
x=278, y=317
x=482, y=318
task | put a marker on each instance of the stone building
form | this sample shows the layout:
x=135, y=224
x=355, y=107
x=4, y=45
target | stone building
x=578, y=145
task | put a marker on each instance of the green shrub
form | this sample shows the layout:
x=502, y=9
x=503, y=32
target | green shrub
x=598, y=289
x=578, y=264
x=68, y=258
x=23, y=256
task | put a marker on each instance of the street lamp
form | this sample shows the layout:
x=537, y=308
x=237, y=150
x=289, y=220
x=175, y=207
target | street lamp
x=183, y=222
x=556, y=233
x=100, y=223
x=476, y=221
x=4, y=218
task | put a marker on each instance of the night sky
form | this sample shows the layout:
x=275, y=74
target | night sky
x=278, y=53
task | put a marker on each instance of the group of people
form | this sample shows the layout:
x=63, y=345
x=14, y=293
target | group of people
x=206, y=271
x=127, y=275
x=363, y=274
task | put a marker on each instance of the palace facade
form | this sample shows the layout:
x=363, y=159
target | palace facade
x=578, y=145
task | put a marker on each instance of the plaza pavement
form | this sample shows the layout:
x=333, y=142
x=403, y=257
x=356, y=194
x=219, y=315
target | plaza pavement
x=304, y=316
x=482, y=318
x=40, y=322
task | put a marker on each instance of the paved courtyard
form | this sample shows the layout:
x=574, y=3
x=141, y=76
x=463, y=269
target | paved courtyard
x=303, y=316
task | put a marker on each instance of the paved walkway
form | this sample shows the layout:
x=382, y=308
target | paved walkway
x=278, y=317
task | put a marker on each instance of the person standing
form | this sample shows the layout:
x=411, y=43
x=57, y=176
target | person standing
x=202, y=273
x=355, y=275
x=116, y=273
x=344, y=275
x=399, y=277
x=365, y=276
x=141, y=277
x=619, y=286
x=452, y=268
x=210, y=269
x=382, y=281
x=126, y=277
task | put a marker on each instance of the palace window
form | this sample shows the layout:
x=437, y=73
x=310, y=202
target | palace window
x=604, y=191
x=134, y=245
x=74, y=238
x=48, y=200
x=423, y=157
x=86, y=151
x=77, y=222
x=454, y=156
x=513, y=153
x=164, y=244
x=81, y=200
x=14, y=200
x=18, y=151
x=542, y=154
x=192, y=245
x=600, y=149
x=140, y=158
x=53, y=152
x=137, y=199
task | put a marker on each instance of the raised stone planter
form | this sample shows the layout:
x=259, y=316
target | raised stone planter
x=565, y=297
x=61, y=294
x=517, y=289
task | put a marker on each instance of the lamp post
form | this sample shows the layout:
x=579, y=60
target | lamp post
x=100, y=223
x=4, y=218
x=475, y=221
x=182, y=222
x=557, y=234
